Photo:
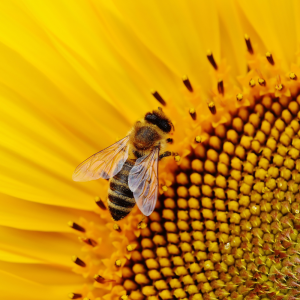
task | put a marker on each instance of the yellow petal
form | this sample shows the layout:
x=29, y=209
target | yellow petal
x=28, y=215
x=170, y=30
x=135, y=57
x=56, y=248
x=7, y=255
x=75, y=40
x=52, y=275
x=54, y=150
x=275, y=24
x=232, y=37
x=13, y=287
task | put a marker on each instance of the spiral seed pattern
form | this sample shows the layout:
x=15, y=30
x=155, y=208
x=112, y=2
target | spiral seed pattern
x=228, y=228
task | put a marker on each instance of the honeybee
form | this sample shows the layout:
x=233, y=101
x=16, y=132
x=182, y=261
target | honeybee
x=132, y=165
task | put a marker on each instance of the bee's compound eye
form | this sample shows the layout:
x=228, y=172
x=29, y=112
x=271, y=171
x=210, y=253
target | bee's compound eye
x=162, y=123
x=151, y=118
x=165, y=126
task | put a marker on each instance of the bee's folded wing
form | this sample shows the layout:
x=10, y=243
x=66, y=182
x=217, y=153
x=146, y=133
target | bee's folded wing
x=143, y=182
x=103, y=164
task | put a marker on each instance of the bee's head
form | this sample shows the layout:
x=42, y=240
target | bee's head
x=158, y=118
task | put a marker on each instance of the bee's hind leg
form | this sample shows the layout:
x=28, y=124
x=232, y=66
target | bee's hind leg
x=165, y=154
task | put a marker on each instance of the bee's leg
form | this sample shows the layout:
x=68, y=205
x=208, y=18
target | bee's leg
x=165, y=154
x=169, y=141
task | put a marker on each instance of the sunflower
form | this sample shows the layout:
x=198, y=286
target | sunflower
x=76, y=75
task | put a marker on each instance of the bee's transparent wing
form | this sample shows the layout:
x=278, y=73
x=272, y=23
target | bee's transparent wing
x=143, y=182
x=103, y=164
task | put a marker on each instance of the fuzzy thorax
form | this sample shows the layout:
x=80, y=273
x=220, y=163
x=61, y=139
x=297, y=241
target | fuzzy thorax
x=144, y=137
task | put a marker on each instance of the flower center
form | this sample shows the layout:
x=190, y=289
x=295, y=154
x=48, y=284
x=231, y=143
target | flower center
x=229, y=225
x=226, y=226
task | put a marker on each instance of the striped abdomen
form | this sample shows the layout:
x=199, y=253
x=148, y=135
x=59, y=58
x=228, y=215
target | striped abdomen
x=120, y=198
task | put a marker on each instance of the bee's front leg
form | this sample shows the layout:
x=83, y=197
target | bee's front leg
x=165, y=154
